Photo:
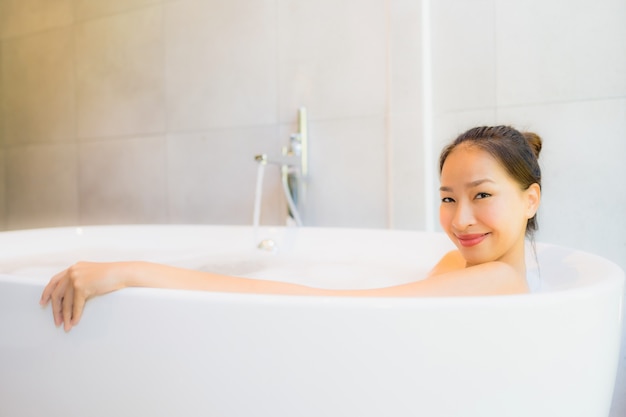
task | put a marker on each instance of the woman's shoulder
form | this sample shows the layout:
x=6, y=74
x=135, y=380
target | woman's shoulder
x=449, y=262
x=489, y=278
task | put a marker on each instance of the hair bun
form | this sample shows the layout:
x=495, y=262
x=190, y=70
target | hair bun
x=534, y=141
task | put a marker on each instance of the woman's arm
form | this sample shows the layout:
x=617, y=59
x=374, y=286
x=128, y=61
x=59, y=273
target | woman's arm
x=70, y=289
x=451, y=261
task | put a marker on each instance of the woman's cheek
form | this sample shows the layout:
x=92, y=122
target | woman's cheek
x=445, y=216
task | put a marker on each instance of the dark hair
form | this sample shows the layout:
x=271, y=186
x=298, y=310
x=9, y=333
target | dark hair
x=516, y=151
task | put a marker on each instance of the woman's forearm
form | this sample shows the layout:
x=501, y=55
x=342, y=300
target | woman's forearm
x=145, y=274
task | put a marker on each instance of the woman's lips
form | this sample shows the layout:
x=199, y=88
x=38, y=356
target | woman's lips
x=471, y=240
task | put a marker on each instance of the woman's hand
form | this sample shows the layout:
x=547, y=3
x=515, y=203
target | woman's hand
x=70, y=289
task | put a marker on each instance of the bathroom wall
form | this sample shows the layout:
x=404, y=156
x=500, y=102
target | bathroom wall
x=557, y=68
x=152, y=111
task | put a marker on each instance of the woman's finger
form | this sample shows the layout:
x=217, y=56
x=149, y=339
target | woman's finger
x=79, y=305
x=68, y=304
x=57, y=302
x=47, y=292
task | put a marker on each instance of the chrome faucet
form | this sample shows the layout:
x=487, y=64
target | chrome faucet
x=293, y=163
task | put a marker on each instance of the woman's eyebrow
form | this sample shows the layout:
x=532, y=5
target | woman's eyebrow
x=476, y=183
x=471, y=184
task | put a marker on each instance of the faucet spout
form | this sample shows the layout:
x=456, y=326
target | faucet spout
x=280, y=160
x=293, y=163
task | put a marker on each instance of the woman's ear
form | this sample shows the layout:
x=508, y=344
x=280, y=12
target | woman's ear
x=533, y=198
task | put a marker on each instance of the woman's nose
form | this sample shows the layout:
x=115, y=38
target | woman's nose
x=463, y=216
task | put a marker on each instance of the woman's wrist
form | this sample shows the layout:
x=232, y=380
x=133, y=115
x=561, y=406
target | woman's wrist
x=145, y=274
x=129, y=274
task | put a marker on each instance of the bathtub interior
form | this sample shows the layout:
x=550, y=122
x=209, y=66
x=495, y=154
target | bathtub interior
x=319, y=257
x=325, y=258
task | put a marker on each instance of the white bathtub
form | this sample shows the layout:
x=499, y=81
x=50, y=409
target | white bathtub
x=149, y=352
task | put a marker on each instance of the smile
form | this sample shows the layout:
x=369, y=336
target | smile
x=471, y=240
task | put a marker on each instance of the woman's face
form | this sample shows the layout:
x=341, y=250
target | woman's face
x=483, y=210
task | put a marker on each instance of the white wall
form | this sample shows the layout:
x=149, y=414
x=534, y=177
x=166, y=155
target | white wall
x=152, y=110
x=557, y=68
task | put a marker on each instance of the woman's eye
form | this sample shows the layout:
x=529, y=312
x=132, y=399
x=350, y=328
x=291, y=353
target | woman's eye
x=482, y=195
x=447, y=200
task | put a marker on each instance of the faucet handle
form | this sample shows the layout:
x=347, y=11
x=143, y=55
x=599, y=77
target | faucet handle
x=295, y=145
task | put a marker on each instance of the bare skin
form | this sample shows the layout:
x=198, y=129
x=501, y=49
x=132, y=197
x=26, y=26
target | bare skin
x=493, y=213
x=70, y=289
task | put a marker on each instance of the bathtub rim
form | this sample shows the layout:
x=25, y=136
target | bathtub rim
x=613, y=280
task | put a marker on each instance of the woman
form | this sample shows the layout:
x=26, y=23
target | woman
x=490, y=192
